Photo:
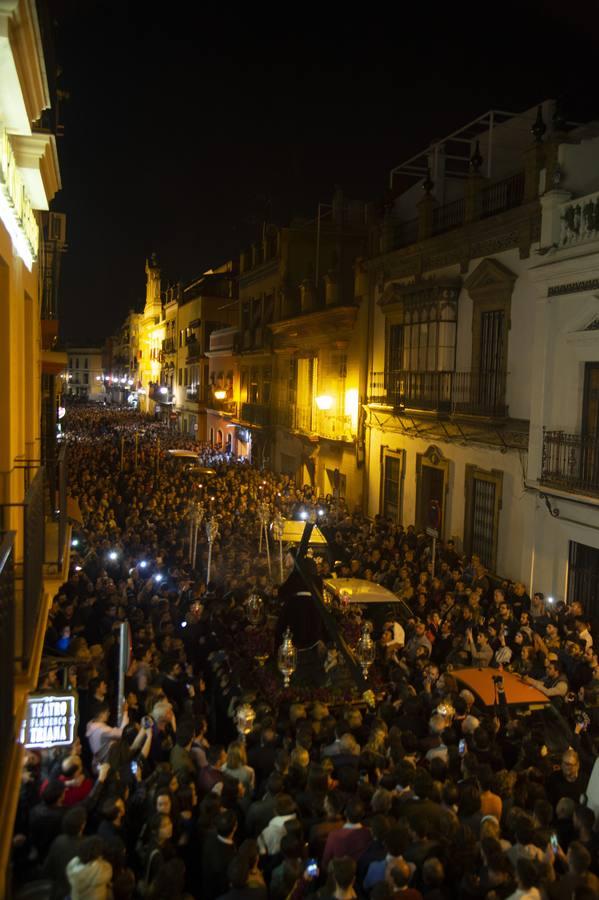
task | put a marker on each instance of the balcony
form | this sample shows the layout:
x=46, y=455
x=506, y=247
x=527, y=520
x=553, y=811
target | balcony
x=571, y=462
x=225, y=339
x=194, y=350
x=451, y=215
x=503, y=195
x=192, y=394
x=7, y=662
x=169, y=346
x=454, y=393
x=579, y=221
x=29, y=574
x=489, y=201
x=255, y=414
x=335, y=428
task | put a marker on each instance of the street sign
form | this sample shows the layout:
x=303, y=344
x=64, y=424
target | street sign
x=50, y=720
x=432, y=532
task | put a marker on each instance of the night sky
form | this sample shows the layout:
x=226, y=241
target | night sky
x=185, y=129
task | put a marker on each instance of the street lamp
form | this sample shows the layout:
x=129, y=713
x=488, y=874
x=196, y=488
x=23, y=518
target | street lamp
x=220, y=395
x=287, y=657
x=324, y=402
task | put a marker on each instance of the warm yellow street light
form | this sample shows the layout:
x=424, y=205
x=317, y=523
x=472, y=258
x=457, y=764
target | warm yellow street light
x=324, y=402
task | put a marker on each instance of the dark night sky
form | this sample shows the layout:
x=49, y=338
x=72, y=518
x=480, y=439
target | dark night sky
x=181, y=129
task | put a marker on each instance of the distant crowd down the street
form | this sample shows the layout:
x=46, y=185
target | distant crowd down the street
x=415, y=790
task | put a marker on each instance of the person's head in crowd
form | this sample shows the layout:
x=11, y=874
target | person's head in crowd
x=53, y=793
x=579, y=858
x=355, y=811
x=74, y=821
x=216, y=756
x=161, y=829
x=570, y=765
x=343, y=874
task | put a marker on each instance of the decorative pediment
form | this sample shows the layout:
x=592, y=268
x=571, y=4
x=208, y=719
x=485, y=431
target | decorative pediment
x=433, y=455
x=490, y=275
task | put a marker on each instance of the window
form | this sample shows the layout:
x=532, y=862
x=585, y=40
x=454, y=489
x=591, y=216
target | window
x=76, y=362
x=85, y=378
x=266, y=385
x=421, y=327
x=392, y=493
x=483, y=504
x=254, y=386
x=180, y=381
x=85, y=365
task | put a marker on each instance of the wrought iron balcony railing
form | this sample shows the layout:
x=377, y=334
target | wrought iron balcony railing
x=571, y=461
x=468, y=393
x=7, y=639
x=30, y=572
x=502, y=195
x=255, y=413
x=448, y=216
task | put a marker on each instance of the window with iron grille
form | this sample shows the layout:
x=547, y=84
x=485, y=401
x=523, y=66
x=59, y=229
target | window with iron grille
x=483, y=504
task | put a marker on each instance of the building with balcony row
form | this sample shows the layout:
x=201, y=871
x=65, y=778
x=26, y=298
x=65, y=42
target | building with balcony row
x=480, y=401
x=285, y=380
x=441, y=356
x=34, y=539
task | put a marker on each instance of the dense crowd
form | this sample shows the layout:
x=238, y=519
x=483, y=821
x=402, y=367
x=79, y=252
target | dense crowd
x=422, y=792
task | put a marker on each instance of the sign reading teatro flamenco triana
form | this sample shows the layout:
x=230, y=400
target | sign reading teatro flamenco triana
x=16, y=211
x=50, y=720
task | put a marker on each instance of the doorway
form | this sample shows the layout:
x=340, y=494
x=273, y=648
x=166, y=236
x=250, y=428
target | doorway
x=431, y=483
x=583, y=579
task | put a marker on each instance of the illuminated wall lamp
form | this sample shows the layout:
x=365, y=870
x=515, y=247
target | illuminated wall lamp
x=220, y=395
x=324, y=402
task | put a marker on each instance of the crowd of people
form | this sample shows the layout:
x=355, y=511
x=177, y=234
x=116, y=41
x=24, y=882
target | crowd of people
x=421, y=792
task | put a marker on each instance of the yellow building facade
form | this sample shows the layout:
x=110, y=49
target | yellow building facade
x=29, y=179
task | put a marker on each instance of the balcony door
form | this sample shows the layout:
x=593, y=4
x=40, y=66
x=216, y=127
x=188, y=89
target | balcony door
x=589, y=450
x=490, y=286
x=590, y=402
x=490, y=389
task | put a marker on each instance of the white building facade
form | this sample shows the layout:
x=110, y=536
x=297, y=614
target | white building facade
x=456, y=341
x=563, y=466
x=85, y=374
